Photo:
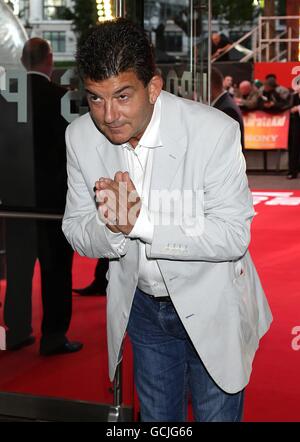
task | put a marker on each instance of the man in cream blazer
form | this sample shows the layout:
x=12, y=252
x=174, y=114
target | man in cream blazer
x=208, y=276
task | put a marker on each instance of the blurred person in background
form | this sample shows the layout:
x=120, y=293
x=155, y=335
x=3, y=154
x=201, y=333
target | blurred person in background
x=27, y=239
x=228, y=85
x=294, y=136
x=98, y=286
x=257, y=84
x=246, y=96
x=270, y=100
x=284, y=92
x=220, y=44
x=222, y=100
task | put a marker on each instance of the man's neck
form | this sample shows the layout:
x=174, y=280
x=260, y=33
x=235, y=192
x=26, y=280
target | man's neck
x=135, y=140
x=45, y=70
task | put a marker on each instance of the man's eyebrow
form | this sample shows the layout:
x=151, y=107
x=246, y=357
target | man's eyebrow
x=90, y=92
x=122, y=89
x=118, y=91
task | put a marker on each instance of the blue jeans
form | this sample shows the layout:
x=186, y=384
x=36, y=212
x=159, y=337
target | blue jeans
x=167, y=369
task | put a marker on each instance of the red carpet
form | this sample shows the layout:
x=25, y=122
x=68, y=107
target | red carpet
x=274, y=390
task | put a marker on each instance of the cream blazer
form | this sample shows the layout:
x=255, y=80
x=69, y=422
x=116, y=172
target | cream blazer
x=210, y=276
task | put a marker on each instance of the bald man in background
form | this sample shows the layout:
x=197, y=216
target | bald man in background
x=219, y=45
x=247, y=96
x=27, y=239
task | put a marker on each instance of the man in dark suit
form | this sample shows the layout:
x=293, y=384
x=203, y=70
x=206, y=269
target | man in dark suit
x=223, y=101
x=294, y=137
x=28, y=240
x=98, y=286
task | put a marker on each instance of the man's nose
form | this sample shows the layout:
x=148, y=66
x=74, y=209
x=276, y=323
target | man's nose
x=110, y=113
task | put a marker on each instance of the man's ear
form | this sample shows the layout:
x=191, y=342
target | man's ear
x=50, y=58
x=154, y=88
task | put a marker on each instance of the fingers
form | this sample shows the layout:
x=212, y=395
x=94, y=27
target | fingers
x=123, y=177
x=99, y=185
x=115, y=199
x=104, y=183
x=117, y=194
x=107, y=212
x=128, y=181
x=118, y=177
x=126, y=177
x=108, y=183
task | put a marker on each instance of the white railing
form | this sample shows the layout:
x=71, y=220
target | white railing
x=264, y=45
x=280, y=42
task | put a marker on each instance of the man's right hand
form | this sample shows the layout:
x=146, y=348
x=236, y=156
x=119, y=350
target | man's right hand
x=119, y=203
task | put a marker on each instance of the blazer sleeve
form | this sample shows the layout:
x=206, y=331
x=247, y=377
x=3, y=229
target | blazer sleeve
x=81, y=224
x=222, y=231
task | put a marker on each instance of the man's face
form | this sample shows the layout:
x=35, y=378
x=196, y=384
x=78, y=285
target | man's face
x=228, y=81
x=269, y=87
x=122, y=106
x=216, y=38
x=245, y=88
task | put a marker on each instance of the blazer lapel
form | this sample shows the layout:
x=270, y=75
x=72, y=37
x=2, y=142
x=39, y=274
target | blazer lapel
x=112, y=158
x=168, y=158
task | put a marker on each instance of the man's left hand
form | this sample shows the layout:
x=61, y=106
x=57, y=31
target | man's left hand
x=119, y=202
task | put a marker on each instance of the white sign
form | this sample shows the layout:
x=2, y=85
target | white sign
x=275, y=198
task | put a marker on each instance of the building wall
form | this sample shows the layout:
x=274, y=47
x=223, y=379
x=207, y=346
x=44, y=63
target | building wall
x=39, y=26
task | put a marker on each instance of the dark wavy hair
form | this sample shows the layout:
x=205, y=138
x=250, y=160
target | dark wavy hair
x=113, y=47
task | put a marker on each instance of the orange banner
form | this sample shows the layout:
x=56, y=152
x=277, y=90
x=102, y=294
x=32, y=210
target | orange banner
x=265, y=131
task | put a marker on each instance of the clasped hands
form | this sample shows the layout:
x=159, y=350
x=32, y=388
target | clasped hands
x=118, y=202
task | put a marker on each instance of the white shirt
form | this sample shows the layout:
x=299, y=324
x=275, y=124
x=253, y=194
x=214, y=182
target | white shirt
x=139, y=162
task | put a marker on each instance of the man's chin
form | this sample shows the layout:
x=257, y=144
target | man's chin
x=116, y=138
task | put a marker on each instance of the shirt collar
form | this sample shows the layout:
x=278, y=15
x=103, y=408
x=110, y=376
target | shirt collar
x=218, y=97
x=151, y=136
x=39, y=73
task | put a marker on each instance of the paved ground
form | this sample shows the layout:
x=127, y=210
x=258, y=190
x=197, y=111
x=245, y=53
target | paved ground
x=268, y=181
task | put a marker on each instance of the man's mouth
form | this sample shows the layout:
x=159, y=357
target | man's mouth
x=119, y=126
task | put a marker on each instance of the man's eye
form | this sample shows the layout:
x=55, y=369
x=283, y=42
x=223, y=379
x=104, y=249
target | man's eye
x=123, y=97
x=94, y=98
